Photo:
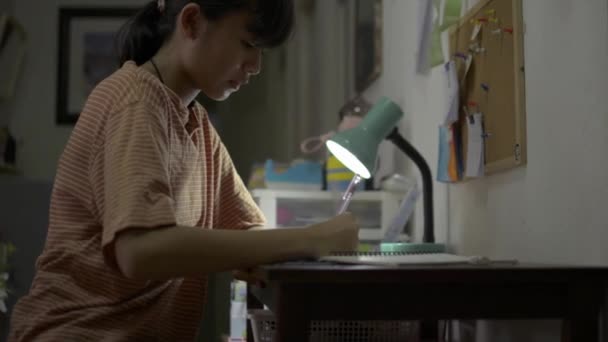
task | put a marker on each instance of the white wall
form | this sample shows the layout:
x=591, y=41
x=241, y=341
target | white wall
x=6, y=6
x=413, y=93
x=33, y=110
x=553, y=209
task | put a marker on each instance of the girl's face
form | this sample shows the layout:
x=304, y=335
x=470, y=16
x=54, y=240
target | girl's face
x=219, y=56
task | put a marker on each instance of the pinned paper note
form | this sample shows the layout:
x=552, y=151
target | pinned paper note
x=436, y=54
x=475, y=146
x=444, y=155
x=448, y=166
x=445, y=14
x=453, y=93
x=476, y=31
x=425, y=27
x=408, y=204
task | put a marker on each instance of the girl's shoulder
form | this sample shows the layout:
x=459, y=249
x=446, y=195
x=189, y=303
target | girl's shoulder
x=130, y=84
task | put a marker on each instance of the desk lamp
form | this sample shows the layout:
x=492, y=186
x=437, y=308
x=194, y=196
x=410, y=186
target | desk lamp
x=357, y=150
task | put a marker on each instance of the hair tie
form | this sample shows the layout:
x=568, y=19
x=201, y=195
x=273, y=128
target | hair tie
x=161, y=5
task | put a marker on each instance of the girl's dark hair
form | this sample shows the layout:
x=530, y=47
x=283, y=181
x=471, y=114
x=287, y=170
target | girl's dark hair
x=144, y=34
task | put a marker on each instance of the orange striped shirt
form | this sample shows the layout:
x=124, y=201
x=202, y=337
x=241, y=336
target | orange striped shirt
x=136, y=158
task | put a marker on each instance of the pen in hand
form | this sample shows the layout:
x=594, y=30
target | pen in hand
x=348, y=194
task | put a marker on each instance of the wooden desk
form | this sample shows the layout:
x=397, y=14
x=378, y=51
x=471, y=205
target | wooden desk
x=308, y=291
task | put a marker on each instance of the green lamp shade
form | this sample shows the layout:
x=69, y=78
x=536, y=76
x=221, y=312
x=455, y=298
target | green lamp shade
x=357, y=148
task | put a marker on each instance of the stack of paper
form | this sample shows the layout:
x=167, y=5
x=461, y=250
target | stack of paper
x=399, y=259
x=475, y=147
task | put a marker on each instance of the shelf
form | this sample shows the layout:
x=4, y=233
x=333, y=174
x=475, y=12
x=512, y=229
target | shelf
x=374, y=210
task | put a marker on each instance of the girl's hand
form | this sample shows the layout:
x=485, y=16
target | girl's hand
x=339, y=234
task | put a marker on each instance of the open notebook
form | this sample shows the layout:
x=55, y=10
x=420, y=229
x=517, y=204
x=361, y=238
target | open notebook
x=401, y=258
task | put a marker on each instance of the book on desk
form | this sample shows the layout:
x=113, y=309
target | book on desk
x=406, y=258
x=395, y=258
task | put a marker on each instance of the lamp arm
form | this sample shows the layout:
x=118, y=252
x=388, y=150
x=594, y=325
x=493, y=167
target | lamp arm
x=427, y=181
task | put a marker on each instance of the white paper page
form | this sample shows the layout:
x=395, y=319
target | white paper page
x=401, y=259
x=475, y=147
x=453, y=89
x=476, y=31
x=425, y=27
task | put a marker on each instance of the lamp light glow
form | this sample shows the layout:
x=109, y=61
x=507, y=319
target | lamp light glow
x=357, y=150
x=348, y=159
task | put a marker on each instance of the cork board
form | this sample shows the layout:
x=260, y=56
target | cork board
x=494, y=82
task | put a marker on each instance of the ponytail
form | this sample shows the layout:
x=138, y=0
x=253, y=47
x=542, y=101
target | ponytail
x=141, y=37
x=144, y=34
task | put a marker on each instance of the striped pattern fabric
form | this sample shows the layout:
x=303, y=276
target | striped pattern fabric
x=137, y=158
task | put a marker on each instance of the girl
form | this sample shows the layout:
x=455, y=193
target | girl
x=146, y=200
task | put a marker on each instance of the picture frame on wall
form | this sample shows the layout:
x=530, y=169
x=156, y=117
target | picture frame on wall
x=87, y=53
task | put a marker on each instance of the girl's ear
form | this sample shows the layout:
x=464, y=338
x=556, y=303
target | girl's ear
x=191, y=21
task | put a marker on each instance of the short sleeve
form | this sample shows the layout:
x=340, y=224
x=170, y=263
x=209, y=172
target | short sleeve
x=133, y=186
x=236, y=208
